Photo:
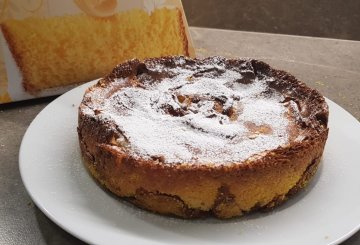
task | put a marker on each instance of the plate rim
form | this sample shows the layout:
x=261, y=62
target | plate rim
x=77, y=234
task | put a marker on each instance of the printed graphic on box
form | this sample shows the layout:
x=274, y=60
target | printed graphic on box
x=50, y=46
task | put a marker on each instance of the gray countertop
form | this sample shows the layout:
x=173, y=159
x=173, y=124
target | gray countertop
x=329, y=65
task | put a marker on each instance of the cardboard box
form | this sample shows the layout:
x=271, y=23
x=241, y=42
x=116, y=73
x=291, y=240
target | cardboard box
x=50, y=46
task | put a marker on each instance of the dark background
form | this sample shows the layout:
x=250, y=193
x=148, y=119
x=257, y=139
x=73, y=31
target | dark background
x=319, y=18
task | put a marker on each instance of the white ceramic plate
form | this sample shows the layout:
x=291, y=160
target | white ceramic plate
x=327, y=212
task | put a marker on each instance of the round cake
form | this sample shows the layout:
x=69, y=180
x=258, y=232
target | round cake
x=195, y=137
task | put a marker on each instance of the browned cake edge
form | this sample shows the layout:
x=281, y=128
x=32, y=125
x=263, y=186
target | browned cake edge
x=189, y=190
x=225, y=191
x=16, y=55
x=185, y=38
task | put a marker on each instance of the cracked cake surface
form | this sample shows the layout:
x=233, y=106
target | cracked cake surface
x=191, y=137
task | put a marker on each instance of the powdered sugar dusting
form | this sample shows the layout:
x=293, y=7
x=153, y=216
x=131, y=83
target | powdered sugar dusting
x=206, y=117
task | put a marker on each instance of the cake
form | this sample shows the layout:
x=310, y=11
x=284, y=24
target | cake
x=4, y=95
x=197, y=137
x=63, y=50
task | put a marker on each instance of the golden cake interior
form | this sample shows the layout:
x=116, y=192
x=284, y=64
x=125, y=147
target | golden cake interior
x=192, y=137
x=62, y=50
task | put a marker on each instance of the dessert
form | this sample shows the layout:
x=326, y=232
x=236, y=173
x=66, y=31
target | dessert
x=63, y=50
x=192, y=137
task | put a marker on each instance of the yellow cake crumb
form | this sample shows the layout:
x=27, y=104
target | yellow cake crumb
x=63, y=50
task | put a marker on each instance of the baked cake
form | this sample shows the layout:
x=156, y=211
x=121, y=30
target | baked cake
x=4, y=95
x=191, y=137
x=62, y=50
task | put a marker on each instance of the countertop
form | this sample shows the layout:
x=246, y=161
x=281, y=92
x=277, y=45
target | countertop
x=332, y=66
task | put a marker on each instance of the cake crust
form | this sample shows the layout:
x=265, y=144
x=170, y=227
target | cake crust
x=196, y=189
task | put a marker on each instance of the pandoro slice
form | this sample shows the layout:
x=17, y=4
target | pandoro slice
x=63, y=50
